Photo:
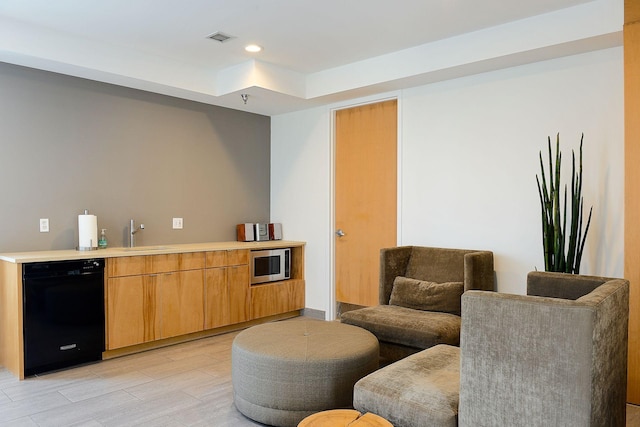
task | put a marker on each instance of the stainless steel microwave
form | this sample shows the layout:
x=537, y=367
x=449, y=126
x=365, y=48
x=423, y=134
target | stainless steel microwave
x=270, y=265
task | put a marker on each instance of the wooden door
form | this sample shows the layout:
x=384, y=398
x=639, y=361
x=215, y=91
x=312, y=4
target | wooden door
x=365, y=197
x=216, y=309
x=239, y=294
x=276, y=298
x=130, y=311
x=632, y=190
x=181, y=296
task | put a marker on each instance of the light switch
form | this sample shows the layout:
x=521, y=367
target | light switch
x=177, y=223
x=44, y=225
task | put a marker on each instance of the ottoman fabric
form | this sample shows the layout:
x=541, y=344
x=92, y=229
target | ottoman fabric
x=285, y=371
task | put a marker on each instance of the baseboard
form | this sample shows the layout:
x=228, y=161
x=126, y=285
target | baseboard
x=123, y=351
x=313, y=313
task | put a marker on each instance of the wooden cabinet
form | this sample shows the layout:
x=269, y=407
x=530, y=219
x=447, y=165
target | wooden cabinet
x=276, y=298
x=153, y=297
x=181, y=298
x=239, y=295
x=230, y=298
x=273, y=298
x=227, y=296
x=216, y=298
x=130, y=311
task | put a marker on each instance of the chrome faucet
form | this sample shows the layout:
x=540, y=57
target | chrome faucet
x=133, y=230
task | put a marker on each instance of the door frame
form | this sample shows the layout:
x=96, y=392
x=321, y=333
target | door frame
x=332, y=304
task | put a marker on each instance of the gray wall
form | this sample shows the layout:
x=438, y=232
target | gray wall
x=70, y=144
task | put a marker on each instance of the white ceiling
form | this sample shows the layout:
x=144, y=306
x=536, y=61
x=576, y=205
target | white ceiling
x=314, y=51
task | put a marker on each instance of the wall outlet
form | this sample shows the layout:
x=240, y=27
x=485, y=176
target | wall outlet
x=177, y=223
x=44, y=225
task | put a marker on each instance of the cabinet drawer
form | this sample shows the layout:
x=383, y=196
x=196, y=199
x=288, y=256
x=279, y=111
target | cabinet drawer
x=154, y=264
x=162, y=263
x=226, y=258
x=238, y=257
x=191, y=261
x=126, y=266
x=216, y=259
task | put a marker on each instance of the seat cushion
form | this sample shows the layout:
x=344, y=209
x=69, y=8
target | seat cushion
x=406, y=326
x=420, y=390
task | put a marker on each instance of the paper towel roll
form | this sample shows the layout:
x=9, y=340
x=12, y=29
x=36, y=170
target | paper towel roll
x=87, y=232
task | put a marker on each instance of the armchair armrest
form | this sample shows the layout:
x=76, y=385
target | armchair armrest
x=562, y=285
x=478, y=271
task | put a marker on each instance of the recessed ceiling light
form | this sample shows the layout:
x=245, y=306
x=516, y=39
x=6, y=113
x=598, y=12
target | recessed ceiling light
x=253, y=48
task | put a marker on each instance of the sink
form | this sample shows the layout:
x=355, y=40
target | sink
x=146, y=248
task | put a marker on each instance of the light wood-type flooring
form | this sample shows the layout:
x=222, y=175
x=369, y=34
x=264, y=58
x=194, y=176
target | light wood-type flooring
x=183, y=385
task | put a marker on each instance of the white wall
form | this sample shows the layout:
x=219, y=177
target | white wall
x=469, y=156
x=300, y=188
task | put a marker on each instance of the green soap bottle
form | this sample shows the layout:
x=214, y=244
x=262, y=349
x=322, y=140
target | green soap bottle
x=102, y=241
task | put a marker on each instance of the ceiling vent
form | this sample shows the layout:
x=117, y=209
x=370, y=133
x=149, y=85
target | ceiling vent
x=220, y=37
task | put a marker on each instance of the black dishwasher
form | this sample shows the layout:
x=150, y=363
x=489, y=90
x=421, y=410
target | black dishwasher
x=63, y=314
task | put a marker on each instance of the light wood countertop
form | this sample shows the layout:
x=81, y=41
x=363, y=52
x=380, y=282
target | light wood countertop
x=69, y=254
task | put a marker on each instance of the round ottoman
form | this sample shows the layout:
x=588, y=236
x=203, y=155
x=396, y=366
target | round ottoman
x=284, y=371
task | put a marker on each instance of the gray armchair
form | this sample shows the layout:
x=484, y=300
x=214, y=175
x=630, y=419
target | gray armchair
x=557, y=356
x=419, y=296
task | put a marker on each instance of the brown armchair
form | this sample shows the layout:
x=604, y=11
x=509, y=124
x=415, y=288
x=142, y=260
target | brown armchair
x=419, y=294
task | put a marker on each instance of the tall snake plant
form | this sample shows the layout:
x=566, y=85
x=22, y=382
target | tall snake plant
x=560, y=254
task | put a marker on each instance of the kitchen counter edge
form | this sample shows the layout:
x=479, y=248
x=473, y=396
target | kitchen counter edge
x=70, y=254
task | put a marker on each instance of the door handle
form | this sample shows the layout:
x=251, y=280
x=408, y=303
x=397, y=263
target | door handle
x=339, y=232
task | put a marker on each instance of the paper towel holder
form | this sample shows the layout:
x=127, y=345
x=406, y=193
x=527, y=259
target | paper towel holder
x=92, y=245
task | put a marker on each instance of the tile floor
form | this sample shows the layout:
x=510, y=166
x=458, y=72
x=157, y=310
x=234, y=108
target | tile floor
x=183, y=385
